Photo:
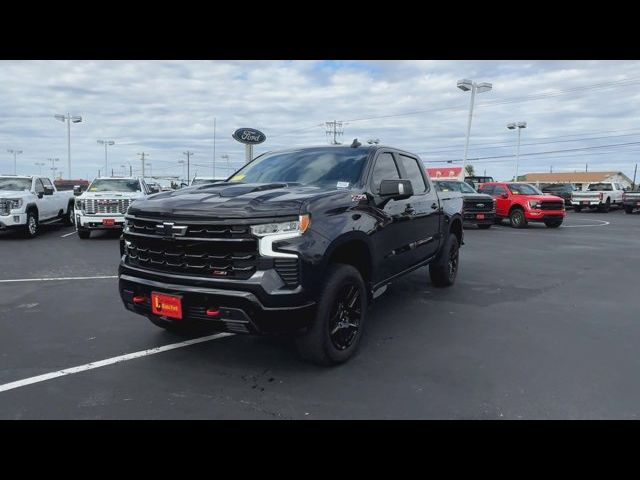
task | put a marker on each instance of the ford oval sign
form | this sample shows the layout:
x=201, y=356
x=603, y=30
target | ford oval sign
x=249, y=136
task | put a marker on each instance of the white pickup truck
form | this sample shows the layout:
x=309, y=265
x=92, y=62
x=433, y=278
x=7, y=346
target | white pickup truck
x=103, y=205
x=598, y=195
x=28, y=201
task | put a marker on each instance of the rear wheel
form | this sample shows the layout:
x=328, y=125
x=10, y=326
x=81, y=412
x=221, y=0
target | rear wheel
x=577, y=209
x=444, y=270
x=338, y=323
x=517, y=218
x=84, y=233
x=628, y=209
x=484, y=226
x=606, y=207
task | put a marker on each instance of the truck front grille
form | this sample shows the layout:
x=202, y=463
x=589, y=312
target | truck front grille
x=230, y=255
x=553, y=205
x=4, y=207
x=105, y=206
x=478, y=206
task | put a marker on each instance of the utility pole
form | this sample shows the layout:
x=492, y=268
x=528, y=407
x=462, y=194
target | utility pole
x=188, y=154
x=586, y=167
x=551, y=169
x=40, y=165
x=15, y=163
x=214, y=147
x=143, y=155
x=334, y=129
x=53, y=167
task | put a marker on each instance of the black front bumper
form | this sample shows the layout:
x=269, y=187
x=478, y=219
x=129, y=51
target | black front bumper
x=472, y=217
x=241, y=311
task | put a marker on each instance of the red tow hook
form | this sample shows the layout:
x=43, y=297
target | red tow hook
x=212, y=312
x=139, y=299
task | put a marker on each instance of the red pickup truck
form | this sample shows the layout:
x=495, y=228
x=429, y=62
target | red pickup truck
x=522, y=203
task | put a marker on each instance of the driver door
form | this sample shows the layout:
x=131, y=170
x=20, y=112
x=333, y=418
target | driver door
x=42, y=201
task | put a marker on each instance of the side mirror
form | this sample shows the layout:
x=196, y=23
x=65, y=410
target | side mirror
x=504, y=195
x=77, y=190
x=153, y=190
x=396, y=189
x=48, y=190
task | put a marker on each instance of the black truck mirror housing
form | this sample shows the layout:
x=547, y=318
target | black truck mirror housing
x=396, y=189
x=77, y=190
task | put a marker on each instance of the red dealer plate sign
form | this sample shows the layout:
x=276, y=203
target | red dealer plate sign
x=166, y=305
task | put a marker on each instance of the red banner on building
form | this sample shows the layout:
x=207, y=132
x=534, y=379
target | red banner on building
x=449, y=173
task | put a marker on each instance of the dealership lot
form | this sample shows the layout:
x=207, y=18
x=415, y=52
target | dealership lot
x=542, y=323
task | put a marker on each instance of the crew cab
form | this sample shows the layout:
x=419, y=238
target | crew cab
x=103, y=205
x=478, y=208
x=28, y=201
x=600, y=195
x=631, y=201
x=522, y=203
x=562, y=190
x=297, y=242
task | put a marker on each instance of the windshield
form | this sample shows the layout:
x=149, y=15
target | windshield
x=200, y=181
x=114, y=185
x=15, y=184
x=603, y=187
x=523, y=189
x=327, y=167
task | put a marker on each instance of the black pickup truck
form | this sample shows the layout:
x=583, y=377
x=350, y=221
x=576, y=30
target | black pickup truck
x=297, y=241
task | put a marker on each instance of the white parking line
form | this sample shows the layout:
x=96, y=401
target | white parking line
x=67, y=234
x=45, y=279
x=108, y=361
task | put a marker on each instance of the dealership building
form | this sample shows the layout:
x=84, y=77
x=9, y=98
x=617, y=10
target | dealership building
x=579, y=179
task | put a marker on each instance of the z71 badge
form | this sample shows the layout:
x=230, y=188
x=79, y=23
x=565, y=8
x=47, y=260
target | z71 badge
x=358, y=198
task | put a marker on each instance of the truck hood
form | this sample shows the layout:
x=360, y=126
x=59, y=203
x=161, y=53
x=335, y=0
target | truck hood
x=14, y=193
x=549, y=198
x=230, y=200
x=477, y=197
x=92, y=195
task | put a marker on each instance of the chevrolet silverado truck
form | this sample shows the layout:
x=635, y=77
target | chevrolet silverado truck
x=103, y=205
x=478, y=208
x=522, y=203
x=26, y=202
x=297, y=242
x=598, y=195
x=631, y=201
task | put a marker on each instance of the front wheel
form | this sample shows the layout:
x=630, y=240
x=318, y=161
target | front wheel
x=69, y=217
x=338, y=322
x=444, y=270
x=32, y=226
x=517, y=218
x=84, y=233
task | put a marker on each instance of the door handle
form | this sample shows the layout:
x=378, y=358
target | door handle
x=434, y=206
x=410, y=210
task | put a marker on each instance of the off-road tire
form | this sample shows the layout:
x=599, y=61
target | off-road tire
x=444, y=269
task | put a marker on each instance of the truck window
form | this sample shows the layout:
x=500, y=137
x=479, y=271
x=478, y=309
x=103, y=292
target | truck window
x=498, y=190
x=414, y=173
x=602, y=187
x=385, y=169
x=488, y=189
x=8, y=183
x=39, y=187
x=46, y=182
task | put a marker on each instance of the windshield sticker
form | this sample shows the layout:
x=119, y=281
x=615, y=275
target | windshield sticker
x=343, y=184
x=238, y=177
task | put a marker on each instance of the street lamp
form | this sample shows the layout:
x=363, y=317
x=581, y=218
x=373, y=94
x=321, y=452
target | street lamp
x=53, y=167
x=69, y=119
x=226, y=157
x=15, y=163
x=466, y=85
x=40, y=165
x=517, y=126
x=106, y=143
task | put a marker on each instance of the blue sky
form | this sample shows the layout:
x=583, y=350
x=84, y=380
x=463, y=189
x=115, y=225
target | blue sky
x=164, y=108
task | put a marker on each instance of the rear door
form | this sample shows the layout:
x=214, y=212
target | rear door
x=423, y=209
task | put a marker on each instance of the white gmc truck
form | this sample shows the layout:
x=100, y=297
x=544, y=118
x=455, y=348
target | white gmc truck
x=28, y=201
x=598, y=195
x=103, y=205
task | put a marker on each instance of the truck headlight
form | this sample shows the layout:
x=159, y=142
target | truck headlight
x=293, y=227
x=274, y=232
x=14, y=203
x=80, y=205
x=534, y=204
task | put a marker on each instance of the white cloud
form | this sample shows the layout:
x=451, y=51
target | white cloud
x=167, y=107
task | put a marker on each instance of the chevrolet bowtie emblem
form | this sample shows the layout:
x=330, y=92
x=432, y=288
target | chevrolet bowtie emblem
x=170, y=230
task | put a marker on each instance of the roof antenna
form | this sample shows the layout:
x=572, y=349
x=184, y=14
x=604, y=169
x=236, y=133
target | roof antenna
x=355, y=143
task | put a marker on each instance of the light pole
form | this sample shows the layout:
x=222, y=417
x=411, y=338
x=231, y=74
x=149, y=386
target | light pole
x=188, y=154
x=69, y=119
x=183, y=163
x=517, y=126
x=15, y=153
x=106, y=143
x=466, y=85
x=40, y=165
x=226, y=157
x=53, y=167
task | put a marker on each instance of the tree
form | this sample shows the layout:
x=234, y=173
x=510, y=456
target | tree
x=469, y=170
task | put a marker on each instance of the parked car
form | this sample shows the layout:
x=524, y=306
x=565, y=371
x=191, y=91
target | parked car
x=103, y=205
x=203, y=180
x=26, y=202
x=598, y=195
x=298, y=241
x=479, y=209
x=631, y=200
x=562, y=190
x=476, y=181
x=522, y=203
